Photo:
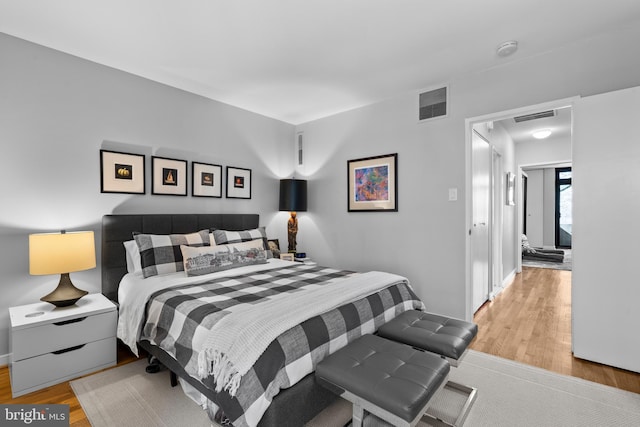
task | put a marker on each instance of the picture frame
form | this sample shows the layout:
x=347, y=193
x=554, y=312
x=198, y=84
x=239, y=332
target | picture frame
x=168, y=176
x=238, y=183
x=510, y=189
x=122, y=172
x=287, y=256
x=274, y=247
x=372, y=184
x=206, y=180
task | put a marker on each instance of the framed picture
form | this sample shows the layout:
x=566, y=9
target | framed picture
x=206, y=180
x=287, y=256
x=168, y=176
x=373, y=184
x=238, y=183
x=122, y=172
x=274, y=247
x=511, y=189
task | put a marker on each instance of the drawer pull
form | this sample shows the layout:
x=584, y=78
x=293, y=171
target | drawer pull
x=67, y=322
x=66, y=350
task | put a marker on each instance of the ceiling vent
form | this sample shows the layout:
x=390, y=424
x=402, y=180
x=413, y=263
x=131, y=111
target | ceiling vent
x=535, y=116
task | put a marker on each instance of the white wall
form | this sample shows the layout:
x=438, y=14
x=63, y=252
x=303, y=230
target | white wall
x=57, y=111
x=426, y=239
x=535, y=207
x=606, y=200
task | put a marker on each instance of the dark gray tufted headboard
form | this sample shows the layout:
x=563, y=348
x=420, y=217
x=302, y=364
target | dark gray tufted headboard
x=117, y=229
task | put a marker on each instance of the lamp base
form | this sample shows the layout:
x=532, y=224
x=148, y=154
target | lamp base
x=65, y=294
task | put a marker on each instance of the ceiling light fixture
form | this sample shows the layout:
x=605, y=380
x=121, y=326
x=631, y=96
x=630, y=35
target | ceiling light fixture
x=541, y=133
x=507, y=48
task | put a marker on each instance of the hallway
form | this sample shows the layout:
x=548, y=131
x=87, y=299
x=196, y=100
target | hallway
x=530, y=322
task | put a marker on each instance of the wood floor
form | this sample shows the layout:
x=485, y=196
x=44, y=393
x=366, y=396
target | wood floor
x=530, y=322
x=57, y=394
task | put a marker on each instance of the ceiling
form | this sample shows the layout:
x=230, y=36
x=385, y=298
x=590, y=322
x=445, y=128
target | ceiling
x=296, y=60
x=559, y=124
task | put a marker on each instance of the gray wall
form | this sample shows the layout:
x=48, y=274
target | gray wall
x=426, y=239
x=57, y=111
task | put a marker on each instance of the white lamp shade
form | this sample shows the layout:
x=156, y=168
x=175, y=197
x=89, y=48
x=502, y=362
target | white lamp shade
x=58, y=253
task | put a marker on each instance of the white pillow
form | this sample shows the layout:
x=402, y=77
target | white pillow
x=133, y=256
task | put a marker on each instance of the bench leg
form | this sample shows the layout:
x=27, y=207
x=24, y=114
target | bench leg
x=471, y=393
x=358, y=416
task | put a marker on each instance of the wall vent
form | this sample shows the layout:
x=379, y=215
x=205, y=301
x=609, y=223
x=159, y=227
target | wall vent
x=300, y=150
x=432, y=104
x=535, y=116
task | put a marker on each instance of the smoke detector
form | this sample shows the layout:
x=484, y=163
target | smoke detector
x=507, y=48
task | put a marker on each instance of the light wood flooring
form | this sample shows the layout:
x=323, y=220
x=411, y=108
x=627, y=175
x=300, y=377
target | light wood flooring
x=530, y=322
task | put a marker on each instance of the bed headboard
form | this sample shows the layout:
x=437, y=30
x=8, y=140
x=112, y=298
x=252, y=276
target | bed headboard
x=117, y=229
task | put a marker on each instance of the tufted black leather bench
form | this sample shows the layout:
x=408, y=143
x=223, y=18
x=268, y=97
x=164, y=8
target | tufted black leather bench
x=442, y=335
x=437, y=334
x=392, y=381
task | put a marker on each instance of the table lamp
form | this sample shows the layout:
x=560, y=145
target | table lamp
x=293, y=198
x=62, y=253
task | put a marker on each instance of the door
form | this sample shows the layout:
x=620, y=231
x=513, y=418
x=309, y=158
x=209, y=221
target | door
x=481, y=162
x=564, y=217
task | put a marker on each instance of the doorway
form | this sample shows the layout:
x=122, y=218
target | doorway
x=513, y=219
x=564, y=207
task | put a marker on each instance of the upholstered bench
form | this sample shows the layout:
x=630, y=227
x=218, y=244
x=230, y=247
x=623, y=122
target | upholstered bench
x=392, y=381
x=437, y=334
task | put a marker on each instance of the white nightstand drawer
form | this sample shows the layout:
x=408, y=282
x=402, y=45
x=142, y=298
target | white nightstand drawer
x=31, y=374
x=45, y=338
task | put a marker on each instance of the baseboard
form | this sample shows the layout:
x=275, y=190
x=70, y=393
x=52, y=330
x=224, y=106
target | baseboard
x=509, y=279
x=4, y=359
x=505, y=284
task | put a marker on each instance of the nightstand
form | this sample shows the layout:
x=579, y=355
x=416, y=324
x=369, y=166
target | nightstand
x=51, y=344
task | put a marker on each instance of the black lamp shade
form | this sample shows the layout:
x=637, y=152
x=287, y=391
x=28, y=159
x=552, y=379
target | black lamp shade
x=293, y=195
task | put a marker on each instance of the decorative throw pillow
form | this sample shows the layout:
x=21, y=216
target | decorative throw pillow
x=161, y=254
x=223, y=237
x=209, y=259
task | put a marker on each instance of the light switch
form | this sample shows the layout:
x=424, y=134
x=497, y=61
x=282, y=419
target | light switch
x=453, y=194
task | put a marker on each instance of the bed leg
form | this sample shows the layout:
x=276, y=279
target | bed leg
x=174, y=379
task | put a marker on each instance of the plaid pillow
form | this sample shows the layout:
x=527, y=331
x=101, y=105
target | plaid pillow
x=223, y=237
x=160, y=253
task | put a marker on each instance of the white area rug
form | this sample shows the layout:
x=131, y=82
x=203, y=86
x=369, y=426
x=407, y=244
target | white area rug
x=510, y=394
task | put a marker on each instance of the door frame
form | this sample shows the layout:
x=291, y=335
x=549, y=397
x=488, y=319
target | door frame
x=469, y=124
x=558, y=183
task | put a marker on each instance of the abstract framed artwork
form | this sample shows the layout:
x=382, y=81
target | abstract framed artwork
x=206, y=180
x=238, y=183
x=122, y=172
x=373, y=184
x=168, y=176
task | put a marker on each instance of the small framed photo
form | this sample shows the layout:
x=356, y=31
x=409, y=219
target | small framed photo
x=287, y=256
x=206, y=180
x=168, y=176
x=274, y=247
x=122, y=172
x=238, y=183
x=373, y=184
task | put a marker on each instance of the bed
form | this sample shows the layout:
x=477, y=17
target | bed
x=287, y=392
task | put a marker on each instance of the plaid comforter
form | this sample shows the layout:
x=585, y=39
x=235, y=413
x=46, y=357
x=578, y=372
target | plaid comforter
x=179, y=318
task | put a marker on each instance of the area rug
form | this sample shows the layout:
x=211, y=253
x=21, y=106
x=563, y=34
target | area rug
x=509, y=394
